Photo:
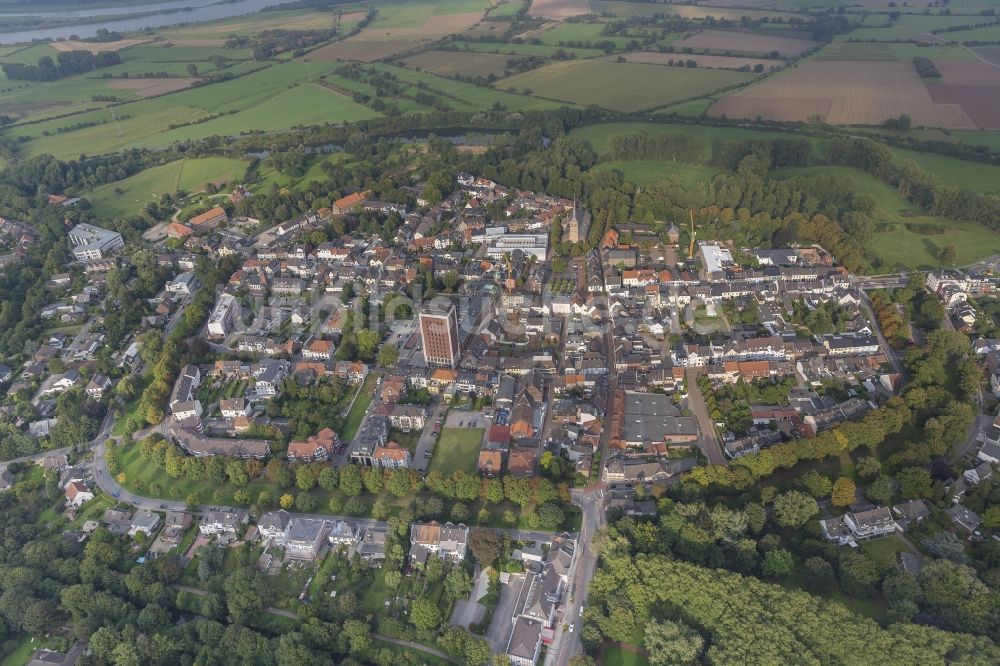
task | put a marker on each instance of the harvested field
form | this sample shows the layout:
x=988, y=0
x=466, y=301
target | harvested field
x=433, y=27
x=449, y=63
x=706, y=61
x=864, y=93
x=980, y=103
x=745, y=42
x=97, y=47
x=452, y=22
x=352, y=17
x=857, y=51
x=559, y=9
x=207, y=42
x=361, y=50
x=970, y=73
x=151, y=87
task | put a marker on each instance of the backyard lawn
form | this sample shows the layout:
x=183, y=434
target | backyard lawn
x=357, y=412
x=457, y=449
x=623, y=656
x=885, y=550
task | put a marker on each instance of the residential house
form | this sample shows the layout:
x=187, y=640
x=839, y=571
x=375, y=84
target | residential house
x=77, y=494
x=447, y=541
x=273, y=526
x=371, y=545
x=306, y=538
x=525, y=643
x=911, y=511
x=174, y=527
x=232, y=408
x=965, y=518
x=870, y=524
x=98, y=386
x=342, y=534
x=144, y=521
x=978, y=474
x=318, y=447
x=319, y=350
x=407, y=417
x=391, y=456
x=224, y=525
x=490, y=462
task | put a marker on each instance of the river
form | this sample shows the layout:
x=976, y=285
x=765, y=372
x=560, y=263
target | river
x=181, y=11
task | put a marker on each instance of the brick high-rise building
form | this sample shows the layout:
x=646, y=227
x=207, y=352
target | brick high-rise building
x=439, y=332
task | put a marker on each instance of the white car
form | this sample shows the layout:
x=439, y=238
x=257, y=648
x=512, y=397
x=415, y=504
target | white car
x=571, y=627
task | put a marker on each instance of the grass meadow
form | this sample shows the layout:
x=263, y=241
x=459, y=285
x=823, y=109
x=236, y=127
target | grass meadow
x=128, y=196
x=457, y=449
x=624, y=86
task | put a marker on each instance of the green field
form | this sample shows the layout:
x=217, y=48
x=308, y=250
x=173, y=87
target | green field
x=457, y=449
x=358, y=408
x=624, y=86
x=276, y=97
x=623, y=656
x=466, y=96
x=127, y=197
x=988, y=138
x=974, y=176
x=513, y=50
x=597, y=135
x=913, y=239
x=644, y=172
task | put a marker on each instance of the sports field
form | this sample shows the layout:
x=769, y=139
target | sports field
x=624, y=86
x=457, y=449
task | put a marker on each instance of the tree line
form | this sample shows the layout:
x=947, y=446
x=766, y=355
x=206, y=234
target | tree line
x=67, y=63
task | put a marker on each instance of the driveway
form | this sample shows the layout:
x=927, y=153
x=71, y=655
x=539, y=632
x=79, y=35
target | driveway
x=502, y=622
x=469, y=611
x=427, y=440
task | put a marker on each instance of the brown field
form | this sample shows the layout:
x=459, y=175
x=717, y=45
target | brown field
x=743, y=42
x=706, y=61
x=361, y=50
x=489, y=28
x=434, y=27
x=559, y=9
x=969, y=73
x=449, y=63
x=862, y=93
x=352, y=17
x=150, y=87
x=194, y=42
x=97, y=47
x=980, y=103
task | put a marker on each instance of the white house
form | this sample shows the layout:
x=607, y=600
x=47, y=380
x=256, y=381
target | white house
x=77, y=494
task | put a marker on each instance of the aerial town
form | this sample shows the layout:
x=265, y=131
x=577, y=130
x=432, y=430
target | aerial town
x=458, y=386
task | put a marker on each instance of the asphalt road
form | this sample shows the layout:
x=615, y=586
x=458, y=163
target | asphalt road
x=566, y=644
x=428, y=438
x=708, y=442
x=35, y=457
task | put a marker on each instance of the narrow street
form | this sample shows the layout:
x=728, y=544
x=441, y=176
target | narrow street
x=709, y=441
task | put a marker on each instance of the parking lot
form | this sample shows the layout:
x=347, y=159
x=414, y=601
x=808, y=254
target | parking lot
x=425, y=445
x=463, y=419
